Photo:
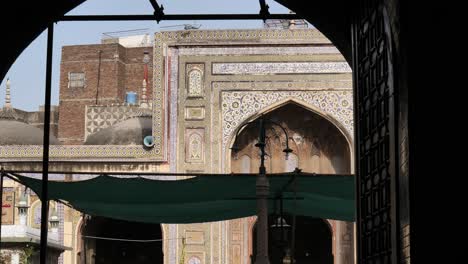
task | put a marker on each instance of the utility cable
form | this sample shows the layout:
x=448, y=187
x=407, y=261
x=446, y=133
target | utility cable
x=131, y=240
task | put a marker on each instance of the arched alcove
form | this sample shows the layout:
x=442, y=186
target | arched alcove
x=313, y=241
x=116, y=241
x=318, y=145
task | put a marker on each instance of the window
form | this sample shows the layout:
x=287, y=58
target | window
x=76, y=80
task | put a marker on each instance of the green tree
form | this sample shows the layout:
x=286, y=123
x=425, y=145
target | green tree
x=26, y=254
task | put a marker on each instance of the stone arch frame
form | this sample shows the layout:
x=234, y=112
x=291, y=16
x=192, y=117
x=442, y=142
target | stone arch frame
x=77, y=244
x=36, y=203
x=341, y=128
x=31, y=212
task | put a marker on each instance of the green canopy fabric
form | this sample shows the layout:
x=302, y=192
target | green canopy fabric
x=202, y=198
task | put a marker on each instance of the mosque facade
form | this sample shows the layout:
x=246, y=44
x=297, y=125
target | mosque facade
x=186, y=93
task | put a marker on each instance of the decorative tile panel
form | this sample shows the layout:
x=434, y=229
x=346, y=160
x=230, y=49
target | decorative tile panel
x=195, y=80
x=262, y=68
x=194, y=257
x=194, y=145
x=195, y=237
x=100, y=117
x=200, y=51
x=238, y=106
x=194, y=113
x=335, y=84
x=58, y=153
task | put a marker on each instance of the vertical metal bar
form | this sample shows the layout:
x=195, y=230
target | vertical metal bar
x=45, y=155
x=357, y=142
x=281, y=219
x=262, y=191
x=293, y=228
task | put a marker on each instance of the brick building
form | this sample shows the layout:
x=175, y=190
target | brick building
x=99, y=74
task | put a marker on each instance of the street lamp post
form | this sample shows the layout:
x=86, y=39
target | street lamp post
x=263, y=190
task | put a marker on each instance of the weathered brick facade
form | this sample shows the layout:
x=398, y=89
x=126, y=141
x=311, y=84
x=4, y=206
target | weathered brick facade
x=117, y=69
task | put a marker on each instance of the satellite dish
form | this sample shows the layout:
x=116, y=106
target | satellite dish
x=148, y=141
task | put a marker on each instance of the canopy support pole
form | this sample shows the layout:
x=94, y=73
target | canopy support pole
x=293, y=228
x=45, y=153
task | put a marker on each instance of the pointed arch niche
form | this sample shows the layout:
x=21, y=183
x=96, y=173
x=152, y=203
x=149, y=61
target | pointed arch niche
x=318, y=144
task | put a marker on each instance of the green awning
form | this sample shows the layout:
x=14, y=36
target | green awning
x=203, y=198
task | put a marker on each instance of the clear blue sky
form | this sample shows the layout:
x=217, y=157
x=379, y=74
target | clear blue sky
x=27, y=75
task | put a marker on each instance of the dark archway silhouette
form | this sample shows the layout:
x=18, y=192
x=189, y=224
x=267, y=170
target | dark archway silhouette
x=121, y=251
x=313, y=242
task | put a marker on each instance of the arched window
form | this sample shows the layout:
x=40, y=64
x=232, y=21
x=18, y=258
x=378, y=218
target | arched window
x=35, y=211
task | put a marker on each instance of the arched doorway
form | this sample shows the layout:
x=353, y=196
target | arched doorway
x=319, y=146
x=121, y=242
x=313, y=242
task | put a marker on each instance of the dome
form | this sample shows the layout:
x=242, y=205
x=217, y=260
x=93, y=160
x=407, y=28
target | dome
x=128, y=132
x=14, y=132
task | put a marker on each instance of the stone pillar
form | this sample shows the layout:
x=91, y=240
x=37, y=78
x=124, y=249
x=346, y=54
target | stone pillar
x=91, y=251
x=345, y=243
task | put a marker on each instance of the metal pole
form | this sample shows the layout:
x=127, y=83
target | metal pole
x=262, y=188
x=177, y=17
x=45, y=155
x=293, y=228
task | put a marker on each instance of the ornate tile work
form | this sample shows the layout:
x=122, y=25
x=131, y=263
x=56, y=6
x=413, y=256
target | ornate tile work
x=194, y=113
x=200, y=51
x=194, y=145
x=109, y=152
x=238, y=106
x=335, y=84
x=164, y=40
x=100, y=117
x=174, y=85
x=261, y=68
x=195, y=78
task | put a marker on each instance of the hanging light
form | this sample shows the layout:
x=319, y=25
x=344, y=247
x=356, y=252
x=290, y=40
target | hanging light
x=280, y=231
x=286, y=151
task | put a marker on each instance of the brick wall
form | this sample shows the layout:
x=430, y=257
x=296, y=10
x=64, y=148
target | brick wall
x=120, y=70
